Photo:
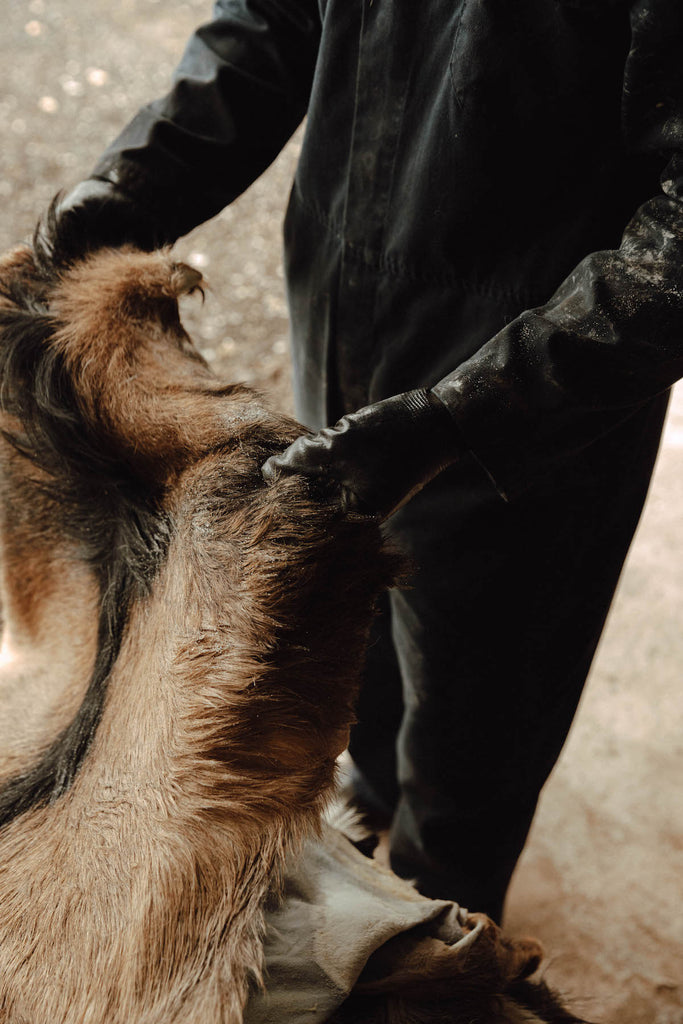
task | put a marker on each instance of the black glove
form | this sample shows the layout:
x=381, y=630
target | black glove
x=98, y=214
x=375, y=459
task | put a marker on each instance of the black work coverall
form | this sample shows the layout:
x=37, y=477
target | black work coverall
x=463, y=160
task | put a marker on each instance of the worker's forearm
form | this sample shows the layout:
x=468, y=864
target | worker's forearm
x=240, y=90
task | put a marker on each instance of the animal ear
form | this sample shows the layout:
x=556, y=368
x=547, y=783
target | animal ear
x=185, y=280
x=113, y=290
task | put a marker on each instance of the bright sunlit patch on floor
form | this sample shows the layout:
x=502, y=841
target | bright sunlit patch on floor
x=7, y=654
x=673, y=437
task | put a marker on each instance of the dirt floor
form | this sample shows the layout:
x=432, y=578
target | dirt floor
x=601, y=882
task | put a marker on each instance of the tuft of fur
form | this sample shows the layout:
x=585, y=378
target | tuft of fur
x=417, y=979
x=216, y=632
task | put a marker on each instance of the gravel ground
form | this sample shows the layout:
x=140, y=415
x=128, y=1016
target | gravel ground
x=601, y=881
x=72, y=75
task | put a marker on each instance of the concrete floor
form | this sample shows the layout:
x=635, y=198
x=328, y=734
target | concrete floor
x=601, y=881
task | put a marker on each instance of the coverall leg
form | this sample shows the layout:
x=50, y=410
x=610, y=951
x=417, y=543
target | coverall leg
x=493, y=639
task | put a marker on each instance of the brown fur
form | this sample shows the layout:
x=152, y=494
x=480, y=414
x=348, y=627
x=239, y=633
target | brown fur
x=136, y=895
x=482, y=979
x=214, y=628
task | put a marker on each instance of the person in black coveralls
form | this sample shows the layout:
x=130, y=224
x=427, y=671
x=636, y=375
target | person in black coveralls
x=484, y=255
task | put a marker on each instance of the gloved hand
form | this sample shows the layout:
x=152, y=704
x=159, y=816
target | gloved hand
x=97, y=214
x=375, y=459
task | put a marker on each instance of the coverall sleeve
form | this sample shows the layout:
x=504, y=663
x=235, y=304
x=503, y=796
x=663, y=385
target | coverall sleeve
x=240, y=90
x=611, y=337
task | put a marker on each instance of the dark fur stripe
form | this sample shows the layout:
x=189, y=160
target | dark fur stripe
x=54, y=773
x=99, y=504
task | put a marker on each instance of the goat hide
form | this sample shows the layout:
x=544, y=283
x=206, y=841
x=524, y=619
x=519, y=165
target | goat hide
x=180, y=659
x=181, y=651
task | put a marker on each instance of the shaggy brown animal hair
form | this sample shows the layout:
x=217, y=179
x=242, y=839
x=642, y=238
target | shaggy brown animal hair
x=180, y=660
x=417, y=979
x=181, y=652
